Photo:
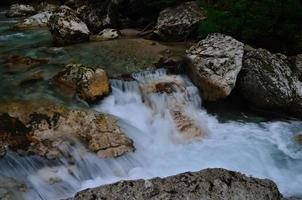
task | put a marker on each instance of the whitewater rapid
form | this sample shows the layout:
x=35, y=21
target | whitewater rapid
x=263, y=150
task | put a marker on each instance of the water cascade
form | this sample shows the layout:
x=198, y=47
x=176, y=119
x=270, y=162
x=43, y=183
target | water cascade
x=148, y=110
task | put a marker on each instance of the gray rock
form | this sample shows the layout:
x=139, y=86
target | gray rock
x=100, y=15
x=180, y=22
x=66, y=28
x=20, y=10
x=106, y=34
x=209, y=184
x=39, y=20
x=267, y=81
x=215, y=64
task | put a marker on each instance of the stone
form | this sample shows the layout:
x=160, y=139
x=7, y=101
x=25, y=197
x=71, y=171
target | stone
x=41, y=127
x=89, y=83
x=66, y=28
x=208, y=184
x=11, y=189
x=215, y=64
x=35, y=21
x=268, y=82
x=170, y=87
x=20, y=10
x=106, y=34
x=179, y=22
x=99, y=15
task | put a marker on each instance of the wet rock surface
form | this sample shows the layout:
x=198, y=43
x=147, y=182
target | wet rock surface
x=89, y=83
x=11, y=189
x=180, y=22
x=170, y=87
x=209, y=184
x=41, y=127
x=215, y=64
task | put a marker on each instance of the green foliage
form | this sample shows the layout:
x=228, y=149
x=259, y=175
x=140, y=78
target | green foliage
x=273, y=24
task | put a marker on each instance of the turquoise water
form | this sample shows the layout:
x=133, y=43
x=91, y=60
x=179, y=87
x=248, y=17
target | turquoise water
x=251, y=144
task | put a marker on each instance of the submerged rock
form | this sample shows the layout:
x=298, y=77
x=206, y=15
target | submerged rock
x=11, y=189
x=42, y=127
x=66, y=28
x=180, y=22
x=38, y=20
x=17, y=63
x=298, y=139
x=89, y=83
x=177, y=96
x=268, y=82
x=106, y=34
x=20, y=10
x=209, y=184
x=216, y=63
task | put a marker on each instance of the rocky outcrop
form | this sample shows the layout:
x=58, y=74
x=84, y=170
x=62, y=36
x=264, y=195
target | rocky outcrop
x=215, y=64
x=66, y=28
x=268, y=82
x=106, y=34
x=89, y=83
x=180, y=22
x=20, y=10
x=35, y=21
x=209, y=184
x=42, y=128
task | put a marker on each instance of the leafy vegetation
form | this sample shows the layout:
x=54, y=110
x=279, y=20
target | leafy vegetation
x=272, y=24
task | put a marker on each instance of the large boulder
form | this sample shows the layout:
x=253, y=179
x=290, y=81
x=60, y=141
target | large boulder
x=89, y=83
x=180, y=22
x=20, y=10
x=99, y=15
x=35, y=21
x=209, y=184
x=66, y=28
x=42, y=127
x=215, y=64
x=268, y=82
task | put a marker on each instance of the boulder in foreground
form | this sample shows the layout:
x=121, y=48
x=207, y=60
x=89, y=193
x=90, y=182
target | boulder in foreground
x=43, y=128
x=209, y=184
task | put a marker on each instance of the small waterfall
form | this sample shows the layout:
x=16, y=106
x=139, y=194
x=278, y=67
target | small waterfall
x=151, y=111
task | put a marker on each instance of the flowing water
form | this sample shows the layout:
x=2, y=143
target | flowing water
x=261, y=148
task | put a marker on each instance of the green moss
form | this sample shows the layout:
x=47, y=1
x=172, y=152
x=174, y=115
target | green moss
x=271, y=24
